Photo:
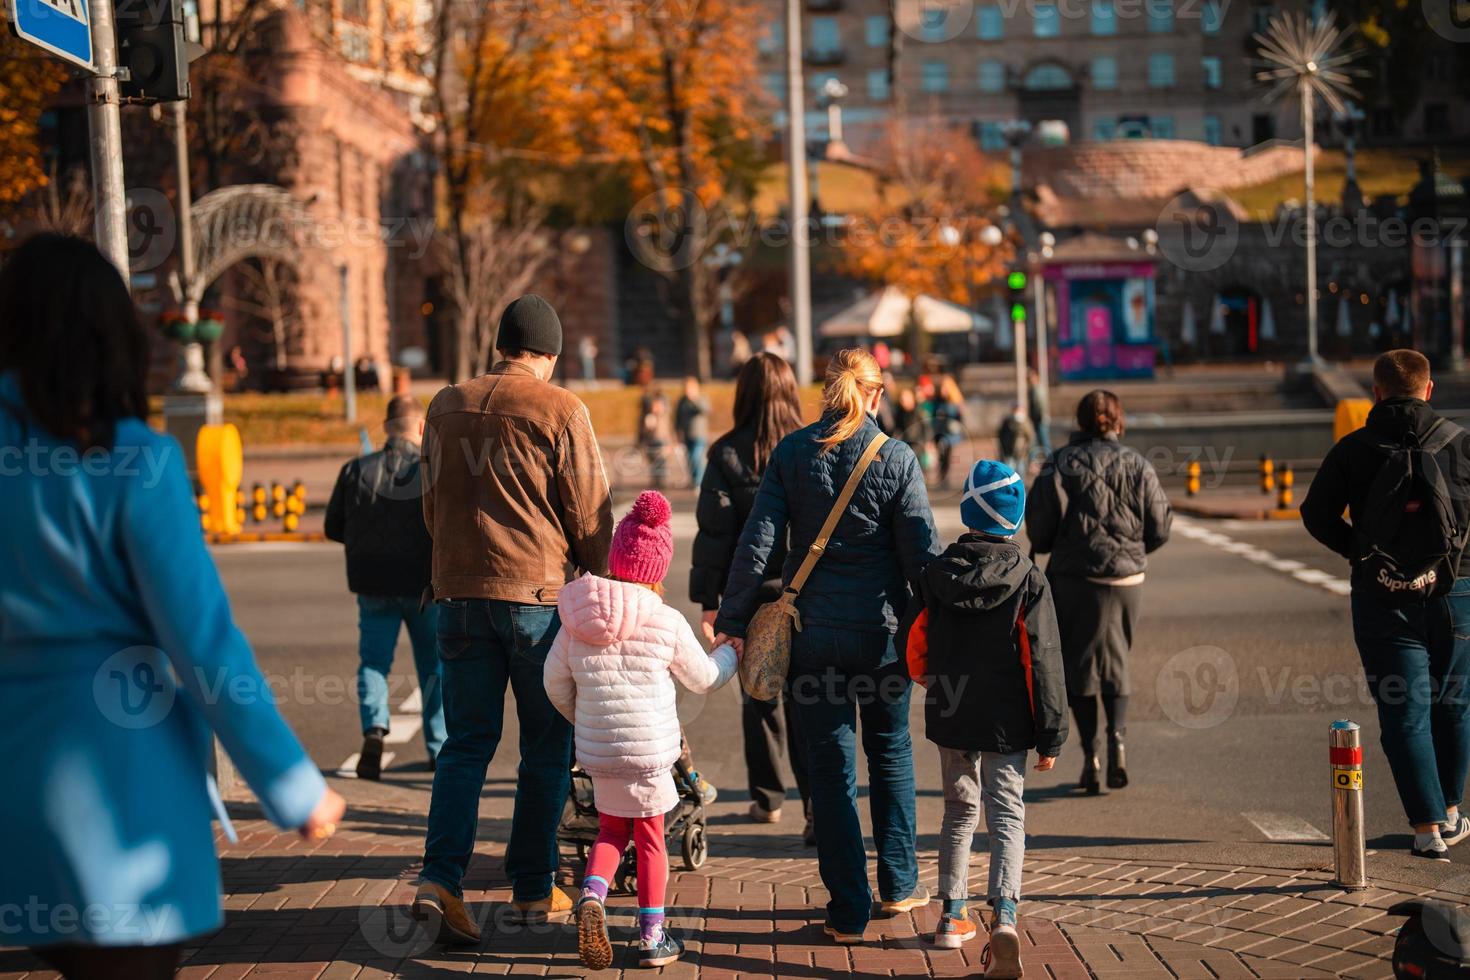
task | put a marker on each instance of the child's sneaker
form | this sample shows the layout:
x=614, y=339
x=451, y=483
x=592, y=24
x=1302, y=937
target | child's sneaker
x=954, y=931
x=661, y=953
x=706, y=789
x=592, y=943
x=1002, y=956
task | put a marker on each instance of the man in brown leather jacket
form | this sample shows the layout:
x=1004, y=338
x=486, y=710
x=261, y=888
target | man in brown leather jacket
x=516, y=500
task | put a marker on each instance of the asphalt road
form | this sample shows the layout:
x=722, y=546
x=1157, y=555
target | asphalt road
x=1243, y=657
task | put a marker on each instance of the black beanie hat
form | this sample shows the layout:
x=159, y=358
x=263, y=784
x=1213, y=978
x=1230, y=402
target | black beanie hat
x=530, y=324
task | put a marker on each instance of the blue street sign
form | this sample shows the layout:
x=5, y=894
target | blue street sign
x=60, y=26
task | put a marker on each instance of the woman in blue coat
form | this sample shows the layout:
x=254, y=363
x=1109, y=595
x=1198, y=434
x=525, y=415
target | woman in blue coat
x=844, y=666
x=118, y=656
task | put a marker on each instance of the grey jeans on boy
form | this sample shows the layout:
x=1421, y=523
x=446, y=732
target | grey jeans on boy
x=996, y=780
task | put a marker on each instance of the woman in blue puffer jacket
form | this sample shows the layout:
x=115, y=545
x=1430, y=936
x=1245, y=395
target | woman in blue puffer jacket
x=844, y=665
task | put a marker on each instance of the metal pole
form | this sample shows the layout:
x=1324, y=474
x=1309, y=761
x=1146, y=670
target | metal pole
x=103, y=119
x=349, y=372
x=799, y=270
x=1346, y=755
x=1311, y=215
x=1043, y=349
x=1457, y=304
x=1018, y=329
x=192, y=376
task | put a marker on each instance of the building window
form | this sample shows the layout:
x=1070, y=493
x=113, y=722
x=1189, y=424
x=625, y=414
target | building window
x=992, y=76
x=1104, y=129
x=1436, y=120
x=876, y=32
x=1048, y=78
x=934, y=77
x=990, y=23
x=1105, y=72
x=878, y=84
x=1261, y=15
x=1104, y=18
x=775, y=84
x=1210, y=17
x=934, y=24
x=1046, y=22
x=1160, y=70
x=1210, y=65
x=1161, y=127
x=826, y=38
x=773, y=41
x=1160, y=16
x=992, y=137
x=1213, y=134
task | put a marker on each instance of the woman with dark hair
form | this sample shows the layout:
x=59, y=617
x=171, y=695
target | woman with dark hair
x=115, y=644
x=767, y=408
x=1098, y=509
x=845, y=665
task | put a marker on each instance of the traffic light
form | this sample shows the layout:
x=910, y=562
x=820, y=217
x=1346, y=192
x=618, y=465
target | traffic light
x=152, y=45
x=1016, y=283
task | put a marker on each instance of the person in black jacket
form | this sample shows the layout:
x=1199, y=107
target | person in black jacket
x=844, y=665
x=767, y=409
x=1415, y=653
x=376, y=511
x=984, y=642
x=1098, y=509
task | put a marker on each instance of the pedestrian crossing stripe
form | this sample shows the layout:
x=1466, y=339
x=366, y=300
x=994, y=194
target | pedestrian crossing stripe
x=1347, y=779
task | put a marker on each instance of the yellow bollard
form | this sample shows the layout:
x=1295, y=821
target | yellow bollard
x=1191, y=478
x=1268, y=474
x=257, y=504
x=1285, y=497
x=240, y=512
x=278, y=499
x=220, y=460
x=1351, y=414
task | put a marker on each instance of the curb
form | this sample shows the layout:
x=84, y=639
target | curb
x=1238, y=514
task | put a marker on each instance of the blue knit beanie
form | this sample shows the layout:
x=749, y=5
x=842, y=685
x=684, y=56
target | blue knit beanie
x=994, y=500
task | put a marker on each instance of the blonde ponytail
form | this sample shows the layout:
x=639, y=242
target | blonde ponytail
x=852, y=378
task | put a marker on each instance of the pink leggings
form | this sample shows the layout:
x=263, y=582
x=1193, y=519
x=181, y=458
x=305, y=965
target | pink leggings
x=647, y=834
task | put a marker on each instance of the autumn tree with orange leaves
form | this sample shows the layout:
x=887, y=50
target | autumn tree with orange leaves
x=925, y=229
x=28, y=80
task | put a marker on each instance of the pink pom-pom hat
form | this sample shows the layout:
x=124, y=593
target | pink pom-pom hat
x=643, y=543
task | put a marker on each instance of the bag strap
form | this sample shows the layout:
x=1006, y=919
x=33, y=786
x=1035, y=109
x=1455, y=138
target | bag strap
x=838, y=509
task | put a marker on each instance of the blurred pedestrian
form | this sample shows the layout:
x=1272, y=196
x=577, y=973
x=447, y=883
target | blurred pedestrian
x=1402, y=481
x=1038, y=408
x=767, y=409
x=587, y=351
x=116, y=641
x=949, y=423
x=844, y=665
x=691, y=422
x=1098, y=510
x=1016, y=437
x=376, y=511
x=911, y=425
x=655, y=432
x=517, y=503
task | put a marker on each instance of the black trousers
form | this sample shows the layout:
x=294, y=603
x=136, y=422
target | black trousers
x=113, y=962
x=770, y=729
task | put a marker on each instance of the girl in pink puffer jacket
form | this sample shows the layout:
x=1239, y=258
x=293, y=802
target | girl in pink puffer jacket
x=611, y=672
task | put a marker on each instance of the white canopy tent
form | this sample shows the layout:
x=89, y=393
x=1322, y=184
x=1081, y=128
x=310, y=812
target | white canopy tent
x=885, y=313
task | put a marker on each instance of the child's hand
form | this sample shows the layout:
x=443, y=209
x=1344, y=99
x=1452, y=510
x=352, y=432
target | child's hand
x=736, y=643
x=1045, y=762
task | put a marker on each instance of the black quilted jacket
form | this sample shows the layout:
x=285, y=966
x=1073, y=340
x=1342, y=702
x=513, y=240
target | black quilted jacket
x=879, y=547
x=726, y=498
x=1107, y=515
x=377, y=511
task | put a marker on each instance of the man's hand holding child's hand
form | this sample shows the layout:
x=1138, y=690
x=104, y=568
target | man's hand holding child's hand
x=1045, y=762
x=736, y=643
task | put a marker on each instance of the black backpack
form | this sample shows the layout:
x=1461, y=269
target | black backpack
x=1409, y=536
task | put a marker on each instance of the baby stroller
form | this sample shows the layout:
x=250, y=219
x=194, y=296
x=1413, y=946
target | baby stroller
x=683, y=825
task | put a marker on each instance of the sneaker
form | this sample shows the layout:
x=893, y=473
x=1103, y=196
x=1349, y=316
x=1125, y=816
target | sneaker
x=916, y=900
x=593, y=946
x=1459, y=832
x=706, y=789
x=555, y=907
x=370, y=759
x=1435, y=851
x=842, y=938
x=954, y=931
x=444, y=914
x=1002, y=956
x=759, y=814
x=667, y=950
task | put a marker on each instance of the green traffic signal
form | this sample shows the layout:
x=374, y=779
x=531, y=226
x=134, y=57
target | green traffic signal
x=1018, y=312
x=1016, y=280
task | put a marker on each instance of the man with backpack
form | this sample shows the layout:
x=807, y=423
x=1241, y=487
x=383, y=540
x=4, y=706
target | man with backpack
x=1405, y=484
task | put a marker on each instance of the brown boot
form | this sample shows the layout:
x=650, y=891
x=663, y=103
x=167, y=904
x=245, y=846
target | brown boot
x=445, y=915
x=556, y=907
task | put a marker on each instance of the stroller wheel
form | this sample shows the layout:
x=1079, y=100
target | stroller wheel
x=696, y=846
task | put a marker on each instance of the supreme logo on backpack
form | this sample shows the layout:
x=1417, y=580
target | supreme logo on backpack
x=1410, y=539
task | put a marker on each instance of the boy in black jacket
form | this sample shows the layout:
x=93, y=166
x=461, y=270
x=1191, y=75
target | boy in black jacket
x=985, y=644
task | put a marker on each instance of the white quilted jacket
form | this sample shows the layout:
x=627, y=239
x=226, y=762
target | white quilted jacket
x=611, y=672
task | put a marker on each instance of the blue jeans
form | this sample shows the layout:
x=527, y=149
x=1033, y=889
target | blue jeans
x=836, y=679
x=696, y=449
x=485, y=644
x=1417, y=662
x=378, y=620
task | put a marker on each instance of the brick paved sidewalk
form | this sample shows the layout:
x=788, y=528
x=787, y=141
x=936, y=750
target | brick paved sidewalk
x=337, y=910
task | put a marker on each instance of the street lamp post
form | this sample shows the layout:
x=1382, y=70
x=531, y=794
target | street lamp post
x=799, y=270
